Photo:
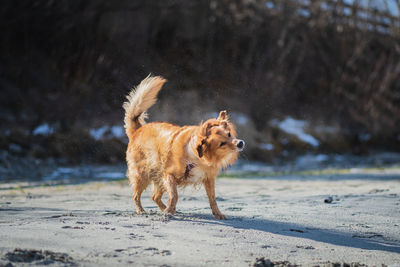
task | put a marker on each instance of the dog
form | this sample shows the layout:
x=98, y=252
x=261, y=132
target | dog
x=170, y=156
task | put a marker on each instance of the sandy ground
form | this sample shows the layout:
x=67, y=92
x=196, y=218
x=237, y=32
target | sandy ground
x=279, y=218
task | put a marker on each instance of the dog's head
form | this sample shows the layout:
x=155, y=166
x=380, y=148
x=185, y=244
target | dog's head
x=217, y=142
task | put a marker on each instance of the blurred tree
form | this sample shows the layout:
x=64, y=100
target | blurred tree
x=70, y=62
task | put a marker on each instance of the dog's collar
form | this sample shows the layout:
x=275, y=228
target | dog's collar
x=189, y=166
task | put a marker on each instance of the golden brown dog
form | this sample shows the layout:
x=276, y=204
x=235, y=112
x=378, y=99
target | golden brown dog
x=170, y=156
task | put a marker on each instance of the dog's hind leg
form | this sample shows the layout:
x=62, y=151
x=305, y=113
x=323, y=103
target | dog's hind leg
x=138, y=189
x=157, y=195
x=170, y=185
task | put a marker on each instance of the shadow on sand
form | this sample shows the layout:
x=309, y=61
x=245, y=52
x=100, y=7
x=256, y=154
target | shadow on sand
x=370, y=241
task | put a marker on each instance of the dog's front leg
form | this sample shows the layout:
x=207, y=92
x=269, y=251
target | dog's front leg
x=209, y=184
x=170, y=185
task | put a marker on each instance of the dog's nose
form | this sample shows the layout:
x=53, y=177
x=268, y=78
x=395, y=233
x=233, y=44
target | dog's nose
x=240, y=144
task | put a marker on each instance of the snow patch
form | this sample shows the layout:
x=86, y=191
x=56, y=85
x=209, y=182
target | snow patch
x=364, y=137
x=284, y=141
x=44, y=129
x=61, y=173
x=110, y=175
x=98, y=133
x=107, y=132
x=267, y=146
x=117, y=131
x=321, y=157
x=296, y=127
x=270, y=5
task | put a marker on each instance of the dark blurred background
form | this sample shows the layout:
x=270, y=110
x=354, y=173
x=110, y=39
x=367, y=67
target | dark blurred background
x=296, y=76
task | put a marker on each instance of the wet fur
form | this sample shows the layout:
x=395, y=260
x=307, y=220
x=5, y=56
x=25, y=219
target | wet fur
x=162, y=154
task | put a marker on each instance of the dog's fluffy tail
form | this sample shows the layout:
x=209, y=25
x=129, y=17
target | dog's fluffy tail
x=141, y=99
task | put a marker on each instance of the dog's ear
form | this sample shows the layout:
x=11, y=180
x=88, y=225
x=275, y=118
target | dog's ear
x=223, y=116
x=205, y=128
x=224, y=124
x=204, y=132
x=200, y=147
x=200, y=150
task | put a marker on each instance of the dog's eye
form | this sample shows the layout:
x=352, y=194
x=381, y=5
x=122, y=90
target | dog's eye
x=222, y=144
x=229, y=135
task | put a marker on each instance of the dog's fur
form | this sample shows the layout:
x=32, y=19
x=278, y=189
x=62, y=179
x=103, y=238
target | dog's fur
x=170, y=156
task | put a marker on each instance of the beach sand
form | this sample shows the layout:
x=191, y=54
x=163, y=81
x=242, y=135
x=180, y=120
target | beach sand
x=280, y=218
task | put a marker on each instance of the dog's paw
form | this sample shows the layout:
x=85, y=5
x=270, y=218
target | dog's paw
x=141, y=211
x=220, y=216
x=170, y=211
